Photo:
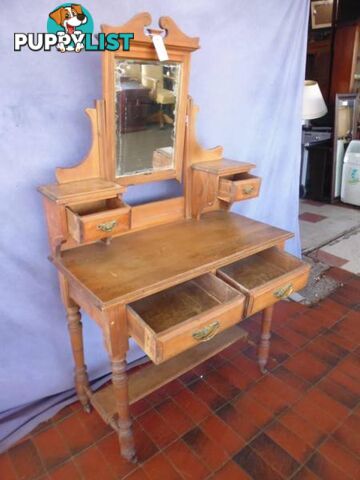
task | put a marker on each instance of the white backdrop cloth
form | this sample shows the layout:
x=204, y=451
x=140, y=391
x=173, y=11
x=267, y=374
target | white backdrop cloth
x=247, y=80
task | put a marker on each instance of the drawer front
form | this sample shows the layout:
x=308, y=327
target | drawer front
x=273, y=276
x=202, y=328
x=87, y=228
x=174, y=320
x=258, y=300
x=241, y=187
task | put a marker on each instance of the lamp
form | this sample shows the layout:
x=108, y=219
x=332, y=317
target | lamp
x=313, y=102
x=313, y=107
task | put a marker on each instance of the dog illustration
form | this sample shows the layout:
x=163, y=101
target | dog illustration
x=69, y=18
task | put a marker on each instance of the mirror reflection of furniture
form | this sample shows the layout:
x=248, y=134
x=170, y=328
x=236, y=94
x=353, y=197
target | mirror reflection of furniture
x=152, y=76
x=313, y=107
x=346, y=129
x=155, y=271
x=133, y=106
x=147, y=107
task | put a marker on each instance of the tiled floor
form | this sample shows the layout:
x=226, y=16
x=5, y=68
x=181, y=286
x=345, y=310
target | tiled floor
x=320, y=223
x=344, y=252
x=331, y=234
x=224, y=420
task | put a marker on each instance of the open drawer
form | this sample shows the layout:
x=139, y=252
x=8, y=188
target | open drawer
x=238, y=187
x=266, y=277
x=96, y=220
x=171, y=321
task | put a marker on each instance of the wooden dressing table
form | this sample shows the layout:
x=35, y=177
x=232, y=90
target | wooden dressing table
x=177, y=275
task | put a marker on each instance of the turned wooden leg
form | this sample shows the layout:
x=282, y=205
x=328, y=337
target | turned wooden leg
x=116, y=341
x=76, y=337
x=264, y=346
x=120, y=383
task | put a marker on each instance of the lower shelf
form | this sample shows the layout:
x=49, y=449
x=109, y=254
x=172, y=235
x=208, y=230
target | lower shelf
x=148, y=379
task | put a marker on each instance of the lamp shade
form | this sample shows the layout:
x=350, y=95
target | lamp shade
x=313, y=102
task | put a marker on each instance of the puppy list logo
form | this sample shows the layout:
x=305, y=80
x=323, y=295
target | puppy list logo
x=70, y=23
x=70, y=29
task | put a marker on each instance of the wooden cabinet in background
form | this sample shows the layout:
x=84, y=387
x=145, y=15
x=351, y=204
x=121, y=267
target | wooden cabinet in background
x=318, y=64
x=346, y=61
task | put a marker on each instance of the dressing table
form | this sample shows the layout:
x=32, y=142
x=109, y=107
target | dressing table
x=177, y=275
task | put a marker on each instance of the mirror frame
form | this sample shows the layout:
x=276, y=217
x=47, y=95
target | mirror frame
x=179, y=47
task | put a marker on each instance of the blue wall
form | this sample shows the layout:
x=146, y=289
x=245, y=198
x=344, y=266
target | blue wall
x=247, y=80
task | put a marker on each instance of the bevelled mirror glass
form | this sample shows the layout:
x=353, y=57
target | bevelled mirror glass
x=146, y=105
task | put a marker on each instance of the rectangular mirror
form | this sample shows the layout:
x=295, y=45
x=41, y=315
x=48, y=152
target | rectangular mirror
x=146, y=106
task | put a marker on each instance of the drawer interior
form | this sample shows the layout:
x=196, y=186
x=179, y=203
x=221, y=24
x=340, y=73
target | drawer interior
x=175, y=305
x=240, y=177
x=99, y=206
x=262, y=268
x=99, y=219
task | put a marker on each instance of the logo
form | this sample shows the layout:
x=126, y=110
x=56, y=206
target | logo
x=354, y=176
x=70, y=23
x=70, y=29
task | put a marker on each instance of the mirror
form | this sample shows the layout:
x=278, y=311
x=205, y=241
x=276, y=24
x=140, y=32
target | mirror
x=146, y=105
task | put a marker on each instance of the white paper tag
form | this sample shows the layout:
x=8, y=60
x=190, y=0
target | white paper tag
x=160, y=48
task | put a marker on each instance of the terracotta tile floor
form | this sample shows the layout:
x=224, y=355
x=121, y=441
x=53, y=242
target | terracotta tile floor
x=311, y=217
x=224, y=420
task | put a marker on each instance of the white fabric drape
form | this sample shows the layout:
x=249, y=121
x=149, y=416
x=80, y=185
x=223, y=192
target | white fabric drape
x=247, y=80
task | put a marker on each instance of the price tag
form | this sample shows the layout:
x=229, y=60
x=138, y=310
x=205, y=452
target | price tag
x=160, y=48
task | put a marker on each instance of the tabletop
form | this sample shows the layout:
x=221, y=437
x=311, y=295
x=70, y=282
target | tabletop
x=144, y=262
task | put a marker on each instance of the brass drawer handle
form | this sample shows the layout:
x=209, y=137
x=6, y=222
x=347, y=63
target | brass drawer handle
x=206, y=333
x=107, y=227
x=284, y=292
x=247, y=189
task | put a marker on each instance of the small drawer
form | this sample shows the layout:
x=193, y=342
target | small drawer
x=239, y=187
x=266, y=277
x=176, y=319
x=96, y=220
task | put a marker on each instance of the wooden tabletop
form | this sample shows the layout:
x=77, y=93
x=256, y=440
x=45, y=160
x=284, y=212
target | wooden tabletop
x=138, y=264
x=223, y=166
x=80, y=190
